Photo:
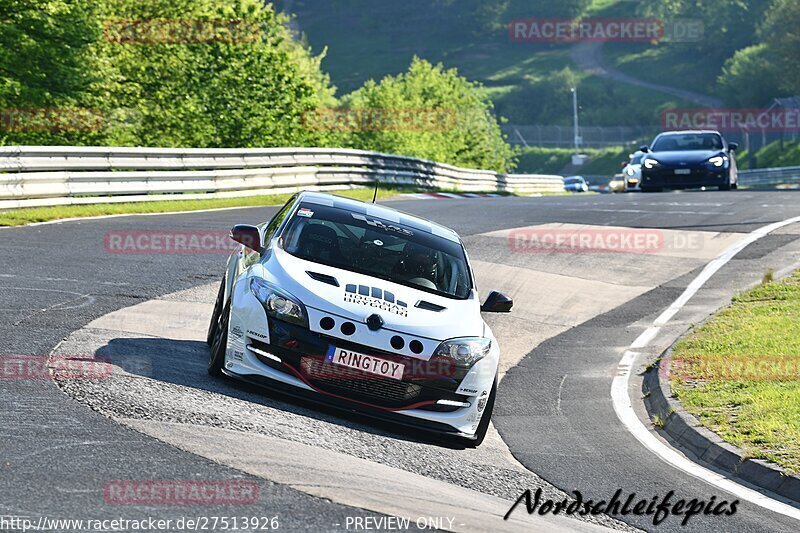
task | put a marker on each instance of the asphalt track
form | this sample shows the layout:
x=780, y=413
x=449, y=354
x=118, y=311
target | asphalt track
x=575, y=314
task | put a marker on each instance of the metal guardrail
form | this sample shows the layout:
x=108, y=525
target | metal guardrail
x=770, y=177
x=59, y=175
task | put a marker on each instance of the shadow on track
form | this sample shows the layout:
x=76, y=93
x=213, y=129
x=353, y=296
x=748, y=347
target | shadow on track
x=183, y=363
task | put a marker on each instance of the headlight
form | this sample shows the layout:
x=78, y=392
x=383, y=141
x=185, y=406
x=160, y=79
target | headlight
x=278, y=303
x=650, y=163
x=630, y=171
x=718, y=160
x=464, y=351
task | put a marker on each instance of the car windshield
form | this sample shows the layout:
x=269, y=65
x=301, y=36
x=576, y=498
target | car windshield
x=636, y=159
x=369, y=245
x=572, y=180
x=687, y=141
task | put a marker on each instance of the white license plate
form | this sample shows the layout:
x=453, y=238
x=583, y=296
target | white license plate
x=683, y=171
x=367, y=363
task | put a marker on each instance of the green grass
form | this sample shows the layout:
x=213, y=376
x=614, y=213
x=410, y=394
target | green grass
x=754, y=407
x=772, y=155
x=606, y=162
x=538, y=160
x=28, y=215
x=664, y=65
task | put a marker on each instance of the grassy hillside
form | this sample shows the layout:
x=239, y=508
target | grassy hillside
x=537, y=160
x=528, y=82
x=772, y=155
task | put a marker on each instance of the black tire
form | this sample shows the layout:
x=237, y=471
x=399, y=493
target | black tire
x=725, y=186
x=220, y=343
x=483, y=425
x=651, y=189
x=212, y=326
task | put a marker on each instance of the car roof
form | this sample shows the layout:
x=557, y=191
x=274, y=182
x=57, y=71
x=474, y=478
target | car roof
x=379, y=211
x=688, y=131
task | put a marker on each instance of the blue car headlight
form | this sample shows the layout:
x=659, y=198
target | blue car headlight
x=464, y=351
x=278, y=303
x=718, y=161
x=650, y=163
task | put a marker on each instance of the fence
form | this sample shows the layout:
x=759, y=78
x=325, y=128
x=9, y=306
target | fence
x=622, y=136
x=769, y=177
x=591, y=136
x=60, y=175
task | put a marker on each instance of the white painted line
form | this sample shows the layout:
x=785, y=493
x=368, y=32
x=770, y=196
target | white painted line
x=650, y=212
x=645, y=338
x=560, y=390
x=624, y=407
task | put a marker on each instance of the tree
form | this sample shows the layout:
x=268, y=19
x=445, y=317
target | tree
x=728, y=25
x=248, y=87
x=46, y=70
x=781, y=33
x=751, y=78
x=432, y=113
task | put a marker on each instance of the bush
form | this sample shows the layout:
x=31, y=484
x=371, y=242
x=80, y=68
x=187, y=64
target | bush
x=470, y=135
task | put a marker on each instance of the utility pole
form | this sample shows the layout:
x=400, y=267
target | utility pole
x=577, y=137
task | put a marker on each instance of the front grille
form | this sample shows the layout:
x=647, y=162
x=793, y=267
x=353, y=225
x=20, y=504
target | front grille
x=359, y=385
x=696, y=176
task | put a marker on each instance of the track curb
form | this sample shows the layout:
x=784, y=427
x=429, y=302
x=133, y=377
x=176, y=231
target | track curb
x=688, y=434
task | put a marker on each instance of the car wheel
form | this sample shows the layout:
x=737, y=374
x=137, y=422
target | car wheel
x=725, y=186
x=651, y=189
x=220, y=343
x=215, y=315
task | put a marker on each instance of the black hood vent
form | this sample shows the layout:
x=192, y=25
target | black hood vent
x=422, y=304
x=324, y=278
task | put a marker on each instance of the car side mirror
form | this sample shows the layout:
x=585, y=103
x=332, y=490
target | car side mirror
x=497, y=302
x=644, y=148
x=733, y=146
x=247, y=235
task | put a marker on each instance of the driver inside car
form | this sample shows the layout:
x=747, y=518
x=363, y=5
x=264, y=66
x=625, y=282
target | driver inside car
x=418, y=265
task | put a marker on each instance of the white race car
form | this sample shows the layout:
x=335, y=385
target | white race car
x=361, y=307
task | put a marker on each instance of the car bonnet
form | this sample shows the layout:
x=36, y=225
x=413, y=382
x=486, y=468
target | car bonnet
x=357, y=296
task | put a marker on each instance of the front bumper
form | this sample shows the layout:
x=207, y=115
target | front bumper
x=292, y=359
x=699, y=176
